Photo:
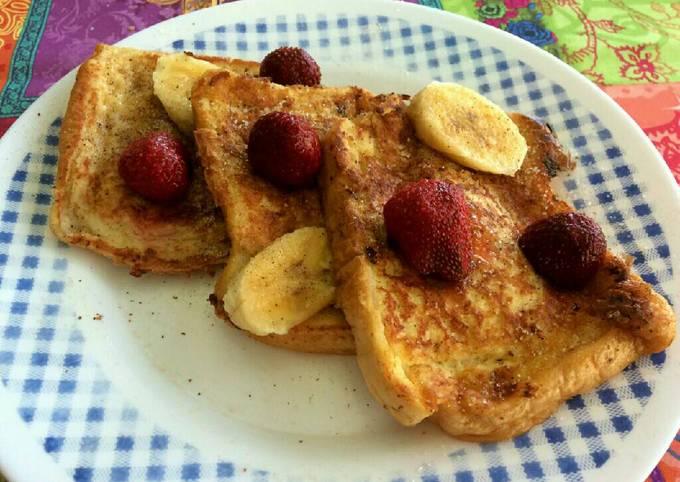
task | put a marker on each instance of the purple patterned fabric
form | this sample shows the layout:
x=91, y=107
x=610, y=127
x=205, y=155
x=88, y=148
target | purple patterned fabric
x=656, y=475
x=74, y=28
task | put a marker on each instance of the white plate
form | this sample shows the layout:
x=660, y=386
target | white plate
x=174, y=394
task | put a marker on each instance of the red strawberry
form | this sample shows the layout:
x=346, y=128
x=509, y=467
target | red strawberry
x=284, y=149
x=156, y=167
x=567, y=249
x=290, y=66
x=430, y=223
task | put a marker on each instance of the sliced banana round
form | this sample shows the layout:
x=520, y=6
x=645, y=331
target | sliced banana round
x=173, y=79
x=468, y=128
x=283, y=285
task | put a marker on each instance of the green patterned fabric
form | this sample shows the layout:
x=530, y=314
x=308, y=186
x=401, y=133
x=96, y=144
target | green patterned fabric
x=615, y=42
x=619, y=41
x=461, y=7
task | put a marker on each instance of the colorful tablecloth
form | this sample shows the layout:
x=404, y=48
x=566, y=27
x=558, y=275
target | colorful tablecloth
x=630, y=48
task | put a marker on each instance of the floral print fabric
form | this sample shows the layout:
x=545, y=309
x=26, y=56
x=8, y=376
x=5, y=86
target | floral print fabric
x=523, y=18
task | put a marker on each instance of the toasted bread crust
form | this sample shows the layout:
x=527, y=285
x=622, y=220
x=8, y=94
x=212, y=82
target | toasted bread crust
x=257, y=212
x=326, y=333
x=579, y=371
x=112, y=104
x=225, y=108
x=492, y=357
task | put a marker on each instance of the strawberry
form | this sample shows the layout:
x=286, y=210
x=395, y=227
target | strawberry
x=284, y=149
x=429, y=221
x=290, y=66
x=156, y=167
x=567, y=249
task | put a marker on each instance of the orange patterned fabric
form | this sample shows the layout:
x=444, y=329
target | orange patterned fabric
x=656, y=108
x=12, y=16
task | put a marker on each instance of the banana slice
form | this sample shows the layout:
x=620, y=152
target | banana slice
x=282, y=285
x=468, y=128
x=173, y=79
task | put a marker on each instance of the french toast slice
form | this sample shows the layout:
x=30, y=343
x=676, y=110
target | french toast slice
x=257, y=212
x=112, y=104
x=493, y=356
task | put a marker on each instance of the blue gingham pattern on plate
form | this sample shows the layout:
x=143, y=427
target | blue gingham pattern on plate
x=84, y=422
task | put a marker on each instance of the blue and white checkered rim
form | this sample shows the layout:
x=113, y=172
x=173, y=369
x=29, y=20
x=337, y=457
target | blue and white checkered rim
x=87, y=425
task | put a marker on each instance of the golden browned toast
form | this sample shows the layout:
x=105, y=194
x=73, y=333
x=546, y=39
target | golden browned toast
x=497, y=354
x=112, y=104
x=257, y=212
